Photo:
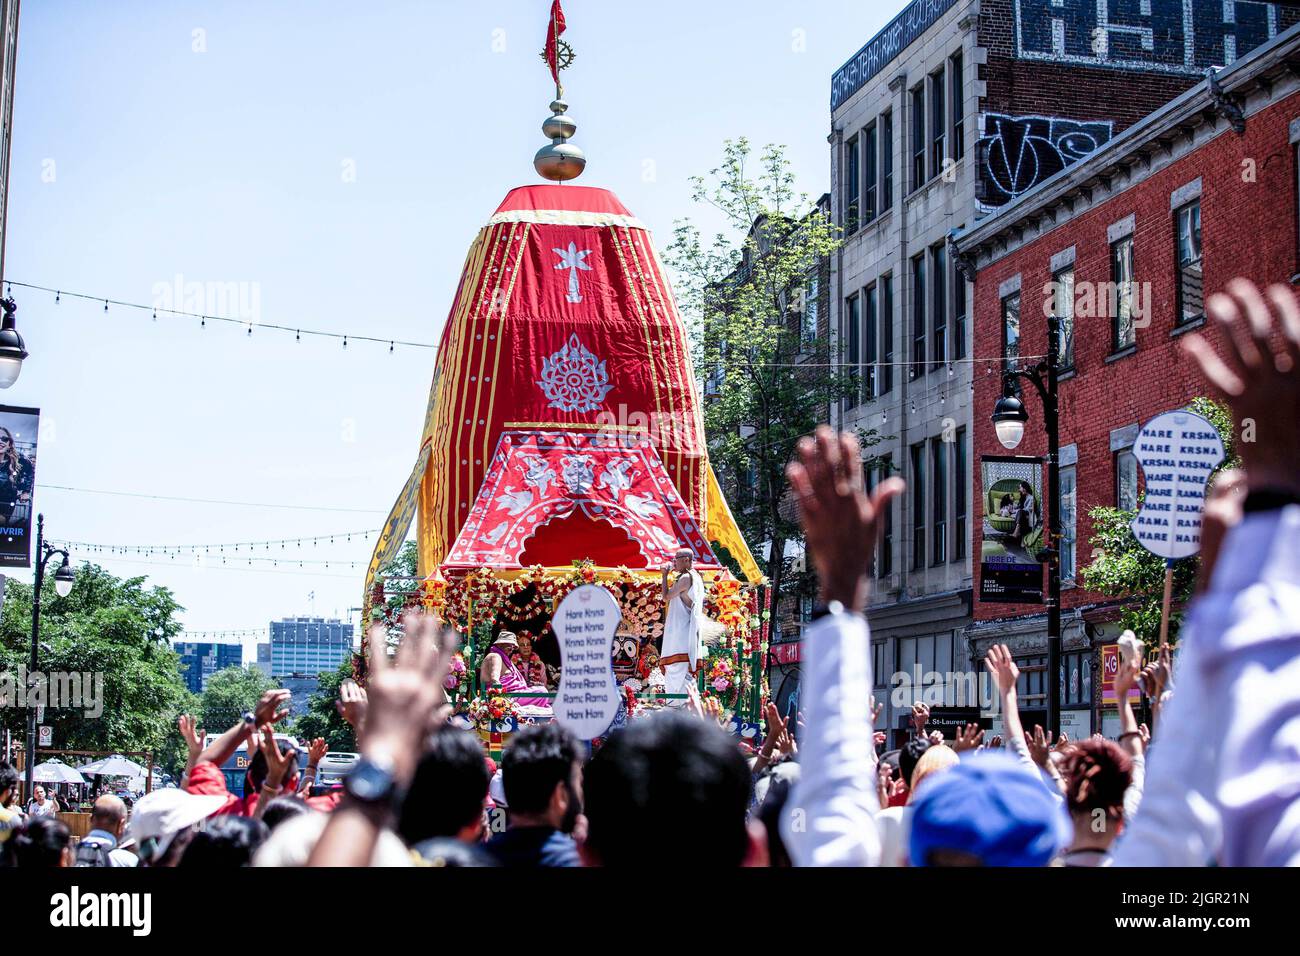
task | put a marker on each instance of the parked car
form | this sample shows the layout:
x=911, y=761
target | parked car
x=334, y=766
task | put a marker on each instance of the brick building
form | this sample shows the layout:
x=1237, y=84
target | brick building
x=952, y=111
x=1124, y=246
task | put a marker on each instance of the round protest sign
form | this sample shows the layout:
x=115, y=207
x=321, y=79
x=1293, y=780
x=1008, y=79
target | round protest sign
x=586, y=701
x=1176, y=451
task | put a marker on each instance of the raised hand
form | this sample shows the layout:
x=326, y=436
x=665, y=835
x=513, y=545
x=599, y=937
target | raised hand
x=316, y=751
x=406, y=695
x=1039, y=746
x=277, y=763
x=1126, y=677
x=920, y=715
x=351, y=704
x=268, y=709
x=191, y=734
x=1003, y=668
x=876, y=708
x=1260, y=381
x=996, y=742
x=841, y=521
x=969, y=739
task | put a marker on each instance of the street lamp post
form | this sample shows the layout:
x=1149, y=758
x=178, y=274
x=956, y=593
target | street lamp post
x=63, y=579
x=1009, y=418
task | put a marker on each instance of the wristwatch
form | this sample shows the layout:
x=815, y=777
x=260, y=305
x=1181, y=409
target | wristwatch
x=249, y=719
x=371, y=781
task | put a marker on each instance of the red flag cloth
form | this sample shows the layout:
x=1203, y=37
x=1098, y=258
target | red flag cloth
x=553, y=31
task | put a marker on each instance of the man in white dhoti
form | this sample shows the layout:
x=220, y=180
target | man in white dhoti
x=683, y=651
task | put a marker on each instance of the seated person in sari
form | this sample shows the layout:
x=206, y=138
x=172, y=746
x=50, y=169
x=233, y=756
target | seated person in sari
x=530, y=663
x=499, y=668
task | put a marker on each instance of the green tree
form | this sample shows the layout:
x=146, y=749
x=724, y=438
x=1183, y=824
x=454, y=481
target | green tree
x=1122, y=568
x=743, y=294
x=230, y=694
x=322, y=718
x=117, y=630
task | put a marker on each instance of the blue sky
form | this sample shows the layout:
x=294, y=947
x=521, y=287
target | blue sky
x=334, y=160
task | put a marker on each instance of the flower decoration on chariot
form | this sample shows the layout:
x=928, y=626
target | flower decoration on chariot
x=573, y=379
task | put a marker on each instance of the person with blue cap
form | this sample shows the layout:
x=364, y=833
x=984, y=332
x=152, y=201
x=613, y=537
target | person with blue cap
x=987, y=811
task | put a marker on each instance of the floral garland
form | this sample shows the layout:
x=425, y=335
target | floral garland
x=720, y=680
x=494, y=708
x=456, y=673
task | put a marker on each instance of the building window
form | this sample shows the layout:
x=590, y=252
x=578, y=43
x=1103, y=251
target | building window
x=938, y=124
x=917, y=487
x=1011, y=332
x=879, y=673
x=918, y=137
x=960, y=493
x=853, y=330
x=1032, y=683
x=1068, y=523
x=958, y=105
x=885, y=556
x=886, y=377
x=869, y=342
x=1076, y=686
x=939, y=502
x=851, y=185
x=886, y=160
x=1123, y=334
x=1063, y=308
x=959, y=311
x=918, y=317
x=1126, y=480
x=939, y=311
x=869, y=193
x=809, y=316
x=1191, y=305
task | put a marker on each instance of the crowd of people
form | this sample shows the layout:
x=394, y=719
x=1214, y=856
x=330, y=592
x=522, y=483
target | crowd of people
x=1215, y=780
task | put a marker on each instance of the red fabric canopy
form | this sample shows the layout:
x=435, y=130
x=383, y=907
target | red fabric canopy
x=588, y=483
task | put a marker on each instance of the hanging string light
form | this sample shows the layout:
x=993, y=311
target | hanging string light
x=155, y=310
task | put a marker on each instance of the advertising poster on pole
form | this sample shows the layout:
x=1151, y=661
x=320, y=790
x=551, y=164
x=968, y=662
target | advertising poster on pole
x=1012, y=507
x=18, y=429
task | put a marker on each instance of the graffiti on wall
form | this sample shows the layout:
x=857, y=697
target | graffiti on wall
x=1016, y=153
x=1173, y=36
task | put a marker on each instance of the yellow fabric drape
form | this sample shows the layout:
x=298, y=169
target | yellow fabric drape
x=720, y=527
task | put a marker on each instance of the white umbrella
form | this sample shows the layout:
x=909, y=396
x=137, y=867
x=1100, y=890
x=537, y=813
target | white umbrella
x=56, y=771
x=114, y=766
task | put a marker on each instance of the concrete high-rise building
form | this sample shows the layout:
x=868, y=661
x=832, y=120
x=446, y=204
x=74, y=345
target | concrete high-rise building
x=264, y=657
x=307, y=646
x=200, y=660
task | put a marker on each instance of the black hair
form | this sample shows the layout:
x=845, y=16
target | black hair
x=284, y=808
x=8, y=777
x=446, y=794
x=257, y=769
x=769, y=814
x=676, y=777
x=40, y=843
x=446, y=852
x=908, y=757
x=226, y=841
x=538, y=758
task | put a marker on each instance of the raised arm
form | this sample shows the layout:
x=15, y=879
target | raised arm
x=829, y=820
